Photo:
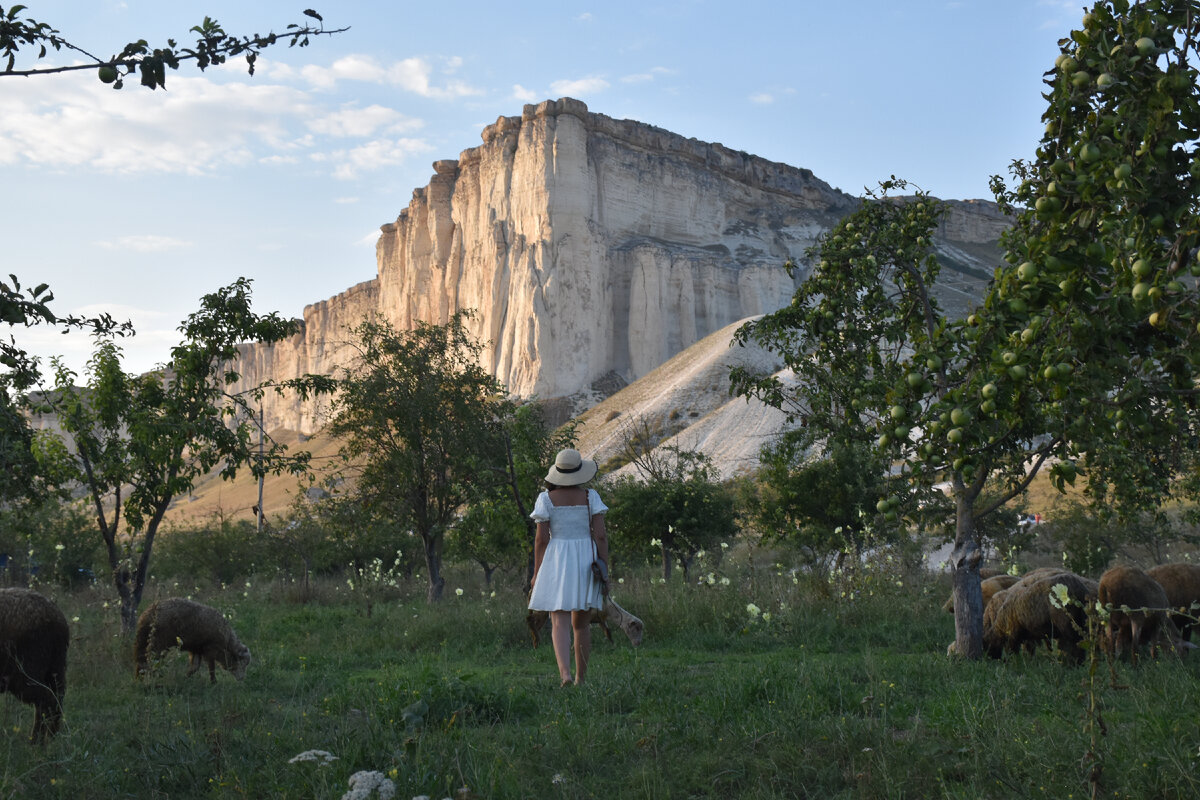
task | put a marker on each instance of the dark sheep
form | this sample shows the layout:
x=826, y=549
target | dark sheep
x=1022, y=616
x=612, y=614
x=34, y=637
x=199, y=630
x=1130, y=587
x=1181, y=582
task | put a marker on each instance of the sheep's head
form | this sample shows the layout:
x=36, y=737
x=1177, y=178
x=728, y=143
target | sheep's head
x=633, y=628
x=241, y=660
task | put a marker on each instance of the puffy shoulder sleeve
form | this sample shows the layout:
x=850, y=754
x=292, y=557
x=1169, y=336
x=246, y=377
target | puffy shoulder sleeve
x=541, y=508
x=595, y=504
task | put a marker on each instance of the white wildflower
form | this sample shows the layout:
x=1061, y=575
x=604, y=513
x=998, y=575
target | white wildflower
x=766, y=617
x=459, y=591
x=655, y=542
x=724, y=581
x=558, y=779
x=322, y=757
x=362, y=784
x=752, y=609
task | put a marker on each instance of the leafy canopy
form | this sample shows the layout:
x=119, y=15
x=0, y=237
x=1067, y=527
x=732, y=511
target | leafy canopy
x=213, y=46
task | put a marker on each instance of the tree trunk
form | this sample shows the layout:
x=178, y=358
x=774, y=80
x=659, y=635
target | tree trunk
x=667, y=563
x=964, y=561
x=433, y=563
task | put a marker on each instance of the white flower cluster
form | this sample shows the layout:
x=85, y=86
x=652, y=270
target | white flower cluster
x=322, y=757
x=362, y=784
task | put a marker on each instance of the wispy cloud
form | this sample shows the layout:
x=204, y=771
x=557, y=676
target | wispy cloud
x=762, y=98
x=579, y=87
x=409, y=74
x=352, y=162
x=519, y=92
x=202, y=126
x=643, y=77
x=146, y=243
x=363, y=122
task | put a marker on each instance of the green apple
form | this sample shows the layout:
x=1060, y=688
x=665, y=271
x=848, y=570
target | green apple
x=1027, y=271
x=1140, y=291
x=960, y=416
x=1142, y=268
x=1008, y=357
x=955, y=435
x=915, y=380
x=934, y=362
x=988, y=407
x=1081, y=80
x=1123, y=172
x=1145, y=46
x=107, y=73
x=898, y=412
x=1089, y=152
x=1105, y=80
x=989, y=391
x=1018, y=372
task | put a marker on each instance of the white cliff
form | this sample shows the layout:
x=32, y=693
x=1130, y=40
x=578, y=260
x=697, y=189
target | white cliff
x=591, y=249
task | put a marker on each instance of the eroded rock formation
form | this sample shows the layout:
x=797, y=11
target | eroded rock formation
x=591, y=249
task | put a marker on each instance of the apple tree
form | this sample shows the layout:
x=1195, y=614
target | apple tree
x=213, y=46
x=140, y=441
x=1082, y=356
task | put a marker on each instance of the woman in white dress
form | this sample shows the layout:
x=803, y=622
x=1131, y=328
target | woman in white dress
x=570, y=536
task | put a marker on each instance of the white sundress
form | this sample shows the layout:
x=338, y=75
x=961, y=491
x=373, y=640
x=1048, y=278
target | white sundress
x=564, y=580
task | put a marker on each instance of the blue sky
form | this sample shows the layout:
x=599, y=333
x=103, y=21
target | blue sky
x=137, y=203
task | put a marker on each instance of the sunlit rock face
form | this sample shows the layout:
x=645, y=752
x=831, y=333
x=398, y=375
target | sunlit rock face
x=590, y=250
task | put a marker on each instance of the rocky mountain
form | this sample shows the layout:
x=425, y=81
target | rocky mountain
x=592, y=251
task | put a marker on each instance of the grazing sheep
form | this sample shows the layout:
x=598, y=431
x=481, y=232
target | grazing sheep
x=1181, y=582
x=612, y=614
x=198, y=629
x=1022, y=616
x=33, y=657
x=989, y=586
x=1130, y=587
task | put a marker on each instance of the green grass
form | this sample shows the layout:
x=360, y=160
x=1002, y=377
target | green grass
x=823, y=700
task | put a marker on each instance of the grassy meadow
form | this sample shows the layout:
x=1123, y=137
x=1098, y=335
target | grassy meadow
x=805, y=694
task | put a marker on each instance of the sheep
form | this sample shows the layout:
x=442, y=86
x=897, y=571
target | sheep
x=1130, y=587
x=1022, y=616
x=34, y=637
x=612, y=614
x=989, y=586
x=198, y=629
x=1181, y=582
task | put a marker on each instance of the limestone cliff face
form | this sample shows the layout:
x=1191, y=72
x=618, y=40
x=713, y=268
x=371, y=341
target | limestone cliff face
x=591, y=249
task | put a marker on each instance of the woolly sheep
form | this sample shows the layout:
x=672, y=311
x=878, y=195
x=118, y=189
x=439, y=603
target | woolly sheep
x=612, y=614
x=1130, y=587
x=1022, y=616
x=34, y=637
x=197, y=629
x=1181, y=582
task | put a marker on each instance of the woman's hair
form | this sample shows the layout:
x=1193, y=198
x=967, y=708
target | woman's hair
x=550, y=486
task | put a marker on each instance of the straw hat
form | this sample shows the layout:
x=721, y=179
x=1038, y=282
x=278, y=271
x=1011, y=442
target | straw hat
x=571, y=469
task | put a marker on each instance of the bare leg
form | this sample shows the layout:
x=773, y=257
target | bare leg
x=581, y=621
x=560, y=635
